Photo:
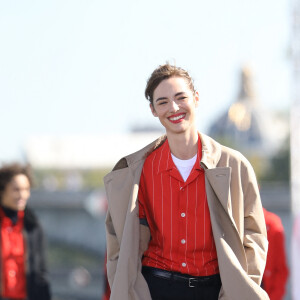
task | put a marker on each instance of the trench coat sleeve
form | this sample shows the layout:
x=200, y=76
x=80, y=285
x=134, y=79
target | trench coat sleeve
x=255, y=235
x=112, y=248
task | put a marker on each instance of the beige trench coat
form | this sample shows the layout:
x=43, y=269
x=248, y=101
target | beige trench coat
x=236, y=216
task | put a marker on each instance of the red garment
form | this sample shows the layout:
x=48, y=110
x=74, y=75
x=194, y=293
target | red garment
x=106, y=293
x=12, y=257
x=178, y=216
x=276, y=271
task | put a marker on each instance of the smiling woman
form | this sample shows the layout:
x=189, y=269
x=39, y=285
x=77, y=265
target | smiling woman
x=175, y=105
x=184, y=219
x=22, y=257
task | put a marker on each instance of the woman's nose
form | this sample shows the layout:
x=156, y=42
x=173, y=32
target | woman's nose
x=174, y=106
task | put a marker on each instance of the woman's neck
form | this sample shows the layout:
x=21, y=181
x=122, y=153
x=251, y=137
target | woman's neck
x=183, y=146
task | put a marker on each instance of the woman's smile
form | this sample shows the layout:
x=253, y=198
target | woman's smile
x=177, y=118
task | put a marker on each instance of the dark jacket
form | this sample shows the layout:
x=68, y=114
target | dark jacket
x=37, y=283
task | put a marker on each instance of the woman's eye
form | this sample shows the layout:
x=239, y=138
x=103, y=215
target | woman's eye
x=182, y=98
x=162, y=102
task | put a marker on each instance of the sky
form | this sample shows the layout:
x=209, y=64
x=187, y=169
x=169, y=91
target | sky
x=80, y=67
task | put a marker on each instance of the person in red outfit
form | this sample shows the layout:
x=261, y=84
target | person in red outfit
x=276, y=271
x=22, y=256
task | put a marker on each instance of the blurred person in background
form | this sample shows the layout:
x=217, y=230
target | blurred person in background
x=276, y=271
x=295, y=261
x=185, y=219
x=22, y=265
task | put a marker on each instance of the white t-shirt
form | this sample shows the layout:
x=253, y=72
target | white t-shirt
x=184, y=166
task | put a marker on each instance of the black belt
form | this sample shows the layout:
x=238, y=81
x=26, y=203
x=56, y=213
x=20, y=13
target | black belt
x=190, y=280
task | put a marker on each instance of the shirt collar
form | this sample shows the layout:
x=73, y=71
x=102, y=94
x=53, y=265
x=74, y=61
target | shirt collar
x=166, y=162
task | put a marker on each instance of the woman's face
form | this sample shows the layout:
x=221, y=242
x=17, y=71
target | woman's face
x=174, y=103
x=16, y=193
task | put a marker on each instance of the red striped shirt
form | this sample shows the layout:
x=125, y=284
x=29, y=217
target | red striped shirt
x=178, y=216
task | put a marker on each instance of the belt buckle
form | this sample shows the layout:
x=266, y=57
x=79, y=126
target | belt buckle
x=191, y=283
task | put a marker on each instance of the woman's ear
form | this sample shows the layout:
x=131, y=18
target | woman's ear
x=153, y=110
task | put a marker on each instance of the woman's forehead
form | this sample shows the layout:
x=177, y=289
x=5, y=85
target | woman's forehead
x=173, y=84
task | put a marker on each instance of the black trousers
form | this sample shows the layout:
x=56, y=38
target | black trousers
x=5, y=299
x=12, y=299
x=177, y=288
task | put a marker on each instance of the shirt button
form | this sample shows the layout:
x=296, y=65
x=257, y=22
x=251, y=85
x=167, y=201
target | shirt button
x=183, y=264
x=183, y=241
x=183, y=215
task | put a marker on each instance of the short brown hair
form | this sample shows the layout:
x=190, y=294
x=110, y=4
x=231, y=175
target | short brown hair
x=164, y=72
x=8, y=171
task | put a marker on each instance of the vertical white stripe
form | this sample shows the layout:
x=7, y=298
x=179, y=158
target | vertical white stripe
x=196, y=219
x=168, y=160
x=159, y=247
x=212, y=240
x=158, y=167
x=186, y=227
x=153, y=195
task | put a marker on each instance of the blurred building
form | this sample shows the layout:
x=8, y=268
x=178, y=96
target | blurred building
x=246, y=126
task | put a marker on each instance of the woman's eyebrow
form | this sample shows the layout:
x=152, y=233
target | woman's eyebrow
x=161, y=98
x=178, y=94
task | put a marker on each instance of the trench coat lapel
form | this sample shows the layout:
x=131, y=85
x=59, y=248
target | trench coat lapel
x=219, y=179
x=219, y=202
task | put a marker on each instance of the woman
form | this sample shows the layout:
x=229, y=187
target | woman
x=185, y=219
x=23, y=271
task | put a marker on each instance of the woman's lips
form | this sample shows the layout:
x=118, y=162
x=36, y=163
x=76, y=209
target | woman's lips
x=177, y=118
